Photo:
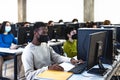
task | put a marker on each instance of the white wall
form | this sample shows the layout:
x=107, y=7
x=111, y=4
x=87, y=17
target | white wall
x=107, y=9
x=45, y=10
x=8, y=10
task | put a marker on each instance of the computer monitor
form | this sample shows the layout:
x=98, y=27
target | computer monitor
x=82, y=25
x=116, y=32
x=83, y=41
x=59, y=31
x=51, y=32
x=25, y=35
x=96, y=46
x=14, y=29
x=116, y=36
x=99, y=24
x=75, y=26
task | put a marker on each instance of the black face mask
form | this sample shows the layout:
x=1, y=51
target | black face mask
x=43, y=38
x=74, y=36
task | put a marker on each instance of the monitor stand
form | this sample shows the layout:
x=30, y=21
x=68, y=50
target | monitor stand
x=98, y=71
x=56, y=39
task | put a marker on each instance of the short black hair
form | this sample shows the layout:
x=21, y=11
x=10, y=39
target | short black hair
x=37, y=25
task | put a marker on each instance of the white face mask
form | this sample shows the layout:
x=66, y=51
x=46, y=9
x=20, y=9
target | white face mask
x=7, y=29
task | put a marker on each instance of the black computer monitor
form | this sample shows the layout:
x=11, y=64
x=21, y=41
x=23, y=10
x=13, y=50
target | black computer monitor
x=59, y=31
x=75, y=26
x=82, y=25
x=96, y=44
x=51, y=32
x=118, y=34
x=25, y=35
x=14, y=29
x=83, y=41
x=99, y=24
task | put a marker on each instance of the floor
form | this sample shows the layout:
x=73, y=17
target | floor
x=10, y=71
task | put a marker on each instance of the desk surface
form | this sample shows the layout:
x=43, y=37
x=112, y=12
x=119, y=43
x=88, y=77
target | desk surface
x=86, y=76
x=53, y=43
x=11, y=51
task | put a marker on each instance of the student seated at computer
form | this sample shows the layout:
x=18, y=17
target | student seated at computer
x=6, y=40
x=70, y=46
x=38, y=56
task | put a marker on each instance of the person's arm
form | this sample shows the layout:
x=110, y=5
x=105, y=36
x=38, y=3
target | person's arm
x=15, y=41
x=58, y=58
x=28, y=63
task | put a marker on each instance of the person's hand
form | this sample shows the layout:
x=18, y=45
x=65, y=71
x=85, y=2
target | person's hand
x=13, y=46
x=73, y=61
x=56, y=67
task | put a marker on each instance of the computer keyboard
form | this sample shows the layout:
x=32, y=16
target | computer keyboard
x=79, y=68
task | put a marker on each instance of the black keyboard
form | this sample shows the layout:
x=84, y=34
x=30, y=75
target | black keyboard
x=79, y=68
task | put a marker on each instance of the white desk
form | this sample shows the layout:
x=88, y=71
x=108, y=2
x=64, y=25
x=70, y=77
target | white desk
x=53, y=43
x=11, y=51
x=57, y=46
x=14, y=53
x=86, y=76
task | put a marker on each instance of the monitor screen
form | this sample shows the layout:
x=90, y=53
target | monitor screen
x=25, y=35
x=83, y=41
x=59, y=31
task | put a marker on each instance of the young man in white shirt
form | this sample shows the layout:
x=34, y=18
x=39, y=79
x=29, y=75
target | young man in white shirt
x=38, y=56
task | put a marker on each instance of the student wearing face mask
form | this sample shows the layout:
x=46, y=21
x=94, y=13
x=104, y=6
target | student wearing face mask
x=39, y=56
x=70, y=46
x=6, y=40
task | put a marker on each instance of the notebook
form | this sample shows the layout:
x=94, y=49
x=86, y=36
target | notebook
x=54, y=75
